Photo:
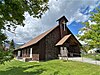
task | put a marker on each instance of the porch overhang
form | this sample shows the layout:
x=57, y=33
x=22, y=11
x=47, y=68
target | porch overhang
x=63, y=40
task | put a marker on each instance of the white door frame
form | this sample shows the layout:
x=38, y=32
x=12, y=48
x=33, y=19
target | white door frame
x=30, y=52
x=19, y=53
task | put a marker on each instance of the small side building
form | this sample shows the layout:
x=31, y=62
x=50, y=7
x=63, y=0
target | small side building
x=58, y=41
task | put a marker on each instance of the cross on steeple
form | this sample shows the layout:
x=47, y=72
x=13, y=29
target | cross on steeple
x=62, y=22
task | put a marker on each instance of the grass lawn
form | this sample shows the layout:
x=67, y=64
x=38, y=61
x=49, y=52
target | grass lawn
x=93, y=56
x=53, y=67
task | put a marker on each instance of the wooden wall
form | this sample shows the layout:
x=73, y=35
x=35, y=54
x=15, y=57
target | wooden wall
x=51, y=39
x=42, y=48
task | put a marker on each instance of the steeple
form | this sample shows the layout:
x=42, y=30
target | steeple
x=62, y=22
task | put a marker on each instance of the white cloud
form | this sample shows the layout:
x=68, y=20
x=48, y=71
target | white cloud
x=91, y=22
x=69, y=8
x=79, y=17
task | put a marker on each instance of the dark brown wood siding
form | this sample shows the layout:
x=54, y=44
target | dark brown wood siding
x=72, y=46
x=35, y=52
x=42, y=49
x=50, y=40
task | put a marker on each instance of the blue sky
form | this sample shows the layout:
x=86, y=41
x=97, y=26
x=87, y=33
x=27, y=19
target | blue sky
x=76, y=11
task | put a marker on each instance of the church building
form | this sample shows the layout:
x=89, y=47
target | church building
x=52, y=44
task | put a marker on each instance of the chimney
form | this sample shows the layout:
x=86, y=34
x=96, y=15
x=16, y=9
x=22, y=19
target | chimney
x=62, y=22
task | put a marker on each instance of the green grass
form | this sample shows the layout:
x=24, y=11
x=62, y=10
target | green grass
x=53, y=67
x=95, y=57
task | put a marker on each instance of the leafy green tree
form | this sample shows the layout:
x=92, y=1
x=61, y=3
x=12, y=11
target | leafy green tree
x=13, y=10
x=91, y=31
x=5, y=55
x=12, y=45
x=12, y=14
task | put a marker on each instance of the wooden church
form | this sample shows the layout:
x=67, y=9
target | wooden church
x=52, y=44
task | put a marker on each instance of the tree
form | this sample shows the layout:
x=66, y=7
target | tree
x=12, y=46
x=91, y=31
x=12, y=14
x=13, y=10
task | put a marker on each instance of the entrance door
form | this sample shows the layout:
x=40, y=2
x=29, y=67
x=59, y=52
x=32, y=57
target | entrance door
x=63, y=51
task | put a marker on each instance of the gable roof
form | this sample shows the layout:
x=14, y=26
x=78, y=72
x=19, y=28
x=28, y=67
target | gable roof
x=37, y=39
x=63, y=17
x=41, y=36
x=62, y=41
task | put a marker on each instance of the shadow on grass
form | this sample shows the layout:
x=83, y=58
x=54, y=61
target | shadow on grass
x=21, y=70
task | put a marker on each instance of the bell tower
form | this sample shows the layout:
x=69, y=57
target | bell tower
x=62, y=22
